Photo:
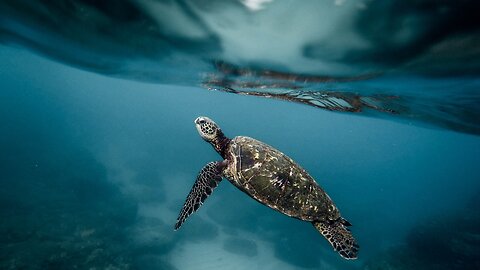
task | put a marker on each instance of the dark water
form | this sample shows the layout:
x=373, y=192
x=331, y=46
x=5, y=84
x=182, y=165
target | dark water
x=94, y=168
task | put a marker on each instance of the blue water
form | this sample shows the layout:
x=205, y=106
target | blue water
x=95, y=169
x=98, y=155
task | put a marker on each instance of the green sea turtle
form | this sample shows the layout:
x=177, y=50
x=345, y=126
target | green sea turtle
x=273, y=179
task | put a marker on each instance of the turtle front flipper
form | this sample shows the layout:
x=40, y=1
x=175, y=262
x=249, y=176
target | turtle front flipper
x=339, y=237
x=207, y=181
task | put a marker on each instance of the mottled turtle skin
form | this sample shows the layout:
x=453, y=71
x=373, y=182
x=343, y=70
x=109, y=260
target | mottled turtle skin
x=274, y=179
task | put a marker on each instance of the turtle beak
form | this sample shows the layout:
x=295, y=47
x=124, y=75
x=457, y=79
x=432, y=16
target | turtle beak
x=197, y=120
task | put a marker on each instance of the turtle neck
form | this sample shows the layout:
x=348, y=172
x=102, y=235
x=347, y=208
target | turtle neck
x=221, y=143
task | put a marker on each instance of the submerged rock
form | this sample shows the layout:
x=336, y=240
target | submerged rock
x=64, y=213
x=442, y=243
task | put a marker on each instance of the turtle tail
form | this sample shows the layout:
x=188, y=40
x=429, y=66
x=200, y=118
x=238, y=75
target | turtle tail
x=339, y=236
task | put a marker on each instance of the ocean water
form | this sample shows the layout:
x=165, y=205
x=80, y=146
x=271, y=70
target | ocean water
x=98, y=149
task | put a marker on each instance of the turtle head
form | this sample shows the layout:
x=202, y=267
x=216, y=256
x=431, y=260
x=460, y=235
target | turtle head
x=208, y=129
x=212, y=133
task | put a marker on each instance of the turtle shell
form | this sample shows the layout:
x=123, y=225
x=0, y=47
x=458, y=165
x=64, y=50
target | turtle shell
x=275, y=180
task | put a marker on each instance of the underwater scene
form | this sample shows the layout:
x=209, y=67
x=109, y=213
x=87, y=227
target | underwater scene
x=109, y=111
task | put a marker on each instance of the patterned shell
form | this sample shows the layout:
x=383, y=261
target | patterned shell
x=275, y=180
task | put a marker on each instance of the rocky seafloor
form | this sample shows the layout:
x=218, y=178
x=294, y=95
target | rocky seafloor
x=441, y=243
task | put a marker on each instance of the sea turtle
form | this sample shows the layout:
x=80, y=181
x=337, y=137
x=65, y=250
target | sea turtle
x=273, y=179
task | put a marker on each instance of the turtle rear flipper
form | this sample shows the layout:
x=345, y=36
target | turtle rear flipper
x=339, y=236
x=207, y=181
